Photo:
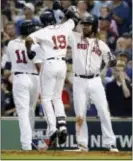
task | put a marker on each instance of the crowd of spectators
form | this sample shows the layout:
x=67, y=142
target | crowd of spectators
x=115, y=29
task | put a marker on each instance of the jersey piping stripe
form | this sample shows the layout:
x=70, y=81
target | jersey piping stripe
x=90, y=58
x=86, y=62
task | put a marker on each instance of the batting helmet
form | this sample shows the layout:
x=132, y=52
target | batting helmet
x=91, y=20
x=47, y=18
x=26, y=28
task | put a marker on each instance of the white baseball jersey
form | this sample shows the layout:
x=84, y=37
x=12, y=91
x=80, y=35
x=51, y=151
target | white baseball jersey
x=53, y=39
x=87, y=54
x=16, y=54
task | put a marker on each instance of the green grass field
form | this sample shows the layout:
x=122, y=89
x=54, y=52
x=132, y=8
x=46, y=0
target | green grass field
x=44, y=155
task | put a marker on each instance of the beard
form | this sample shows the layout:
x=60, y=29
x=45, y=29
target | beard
x=87, y=34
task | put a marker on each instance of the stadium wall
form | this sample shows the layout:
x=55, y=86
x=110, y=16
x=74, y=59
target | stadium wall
x=122, y=128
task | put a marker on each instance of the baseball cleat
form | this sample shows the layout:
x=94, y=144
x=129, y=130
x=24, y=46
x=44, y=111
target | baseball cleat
x=62, y=136
x=77, y=150
x=53, y=138
x=112, y=148
x=80, y=148
x=83, y=148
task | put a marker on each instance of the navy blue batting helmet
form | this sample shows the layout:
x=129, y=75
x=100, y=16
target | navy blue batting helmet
x=47, y=18
x=91, y=20
x=26, y=28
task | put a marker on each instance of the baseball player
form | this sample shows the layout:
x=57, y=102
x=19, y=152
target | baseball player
x=53, y=39
x=25, y=84
x=88, y=54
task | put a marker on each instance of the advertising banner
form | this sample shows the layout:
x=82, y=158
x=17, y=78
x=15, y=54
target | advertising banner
x=123, y=132
x=10, y=135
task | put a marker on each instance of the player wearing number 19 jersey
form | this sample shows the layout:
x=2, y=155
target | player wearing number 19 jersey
x=25, y=84
x=53, y=39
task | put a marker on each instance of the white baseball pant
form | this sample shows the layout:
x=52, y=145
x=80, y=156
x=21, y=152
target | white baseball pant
x=52, y=81
x=25, y=93
x=83, y=90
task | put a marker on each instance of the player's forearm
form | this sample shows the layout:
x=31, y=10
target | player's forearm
x=112, y=60
x=28, y=43
x=109, y=59
x=38, y=67
x=112, y=63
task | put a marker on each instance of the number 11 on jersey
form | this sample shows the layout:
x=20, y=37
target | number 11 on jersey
x=21, y=58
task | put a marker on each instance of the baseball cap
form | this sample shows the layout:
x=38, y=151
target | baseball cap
x=122, y=53
x=30, y=6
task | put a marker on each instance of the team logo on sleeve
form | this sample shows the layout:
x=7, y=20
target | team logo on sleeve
x=97, y=51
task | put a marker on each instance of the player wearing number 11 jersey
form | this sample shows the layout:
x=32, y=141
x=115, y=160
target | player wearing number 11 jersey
x=25, y=84
x=53, y=39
